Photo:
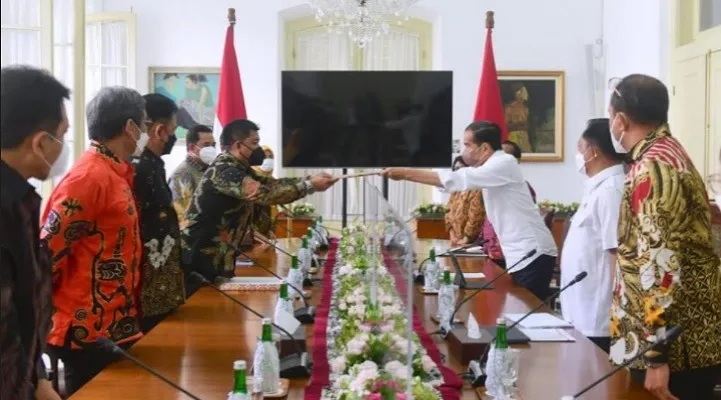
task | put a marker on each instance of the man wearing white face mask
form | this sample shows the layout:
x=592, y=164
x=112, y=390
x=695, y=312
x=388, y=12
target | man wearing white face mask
x=667, y=272
x=591, y=241
x=91, y=226
x=200, y=145
x=34, y=125
x=509, y=206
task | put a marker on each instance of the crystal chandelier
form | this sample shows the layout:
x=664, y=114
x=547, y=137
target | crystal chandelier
x=361, y=20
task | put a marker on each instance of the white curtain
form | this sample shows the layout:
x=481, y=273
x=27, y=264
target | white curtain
x=316, y=49
x=64, y=65
x=106, y=56
x=20, y=37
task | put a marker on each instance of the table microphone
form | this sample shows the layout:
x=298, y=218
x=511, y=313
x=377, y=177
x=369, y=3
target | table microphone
x=479, y=377
x=293, y=366
x=420, y=279
x=305, y=314
x=307, y=282
x=110, y=345
x=488, y=284
x=670, y=336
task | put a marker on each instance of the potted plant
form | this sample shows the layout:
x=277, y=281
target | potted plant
x=430, y=222
x=294, y=220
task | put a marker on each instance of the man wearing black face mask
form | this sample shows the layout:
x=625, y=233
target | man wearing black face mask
x=221, y=210
x=162, y=288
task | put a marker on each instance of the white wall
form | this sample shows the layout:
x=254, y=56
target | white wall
x=529, y=35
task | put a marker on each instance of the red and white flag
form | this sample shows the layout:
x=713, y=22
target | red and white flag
x=231, y=103
x=489, y=106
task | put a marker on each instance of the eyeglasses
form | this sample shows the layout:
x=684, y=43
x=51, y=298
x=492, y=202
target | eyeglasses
x=613, y=84
x=714, y=183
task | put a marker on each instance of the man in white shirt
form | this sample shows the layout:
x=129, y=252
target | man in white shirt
x=592, y=238
x=509, y=207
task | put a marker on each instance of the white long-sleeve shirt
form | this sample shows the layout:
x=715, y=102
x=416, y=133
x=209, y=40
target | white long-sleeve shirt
x=509, y=206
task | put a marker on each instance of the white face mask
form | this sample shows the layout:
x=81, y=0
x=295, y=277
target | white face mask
x=207, y=155
x=580, y=163
x=267, y=165
x=60, y=164
x=617, y=142
x=140, y=144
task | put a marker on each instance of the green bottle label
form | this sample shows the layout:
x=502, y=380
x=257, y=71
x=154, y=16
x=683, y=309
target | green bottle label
x=294, y=262
x=432, y=254
x=240, y=385
x=501, y=338
x=446, y=277
x=305, y=242
x=284, y=290
x=267, y=335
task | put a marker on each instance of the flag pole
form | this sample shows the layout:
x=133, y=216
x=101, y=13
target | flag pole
x=231, y=16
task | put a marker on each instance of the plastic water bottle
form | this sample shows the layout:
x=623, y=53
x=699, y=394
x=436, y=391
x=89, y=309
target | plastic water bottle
x=240, y=384
x=266, y=363
x=446, y=301
x=295, y=276
x=430, y=273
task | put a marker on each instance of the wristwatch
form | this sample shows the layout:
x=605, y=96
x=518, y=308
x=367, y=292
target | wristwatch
x=309, y=189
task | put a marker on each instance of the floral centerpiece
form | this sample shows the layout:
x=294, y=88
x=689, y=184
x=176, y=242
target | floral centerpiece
x=559, y=208
x=430, y=210
x=299, y=210
x=367, y=343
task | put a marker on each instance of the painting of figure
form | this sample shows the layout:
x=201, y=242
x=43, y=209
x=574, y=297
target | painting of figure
x=194, y=90
x=533, y=103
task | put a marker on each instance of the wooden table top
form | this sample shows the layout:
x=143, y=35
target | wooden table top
x=196, y=346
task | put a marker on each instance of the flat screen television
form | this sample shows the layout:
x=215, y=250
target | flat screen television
x=367, y=119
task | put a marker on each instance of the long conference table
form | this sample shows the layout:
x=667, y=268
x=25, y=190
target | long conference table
x=196, y=346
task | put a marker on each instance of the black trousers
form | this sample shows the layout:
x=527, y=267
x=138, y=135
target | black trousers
x=695, y=384
x=536, y=277
x=604, y=343
x=82, y=365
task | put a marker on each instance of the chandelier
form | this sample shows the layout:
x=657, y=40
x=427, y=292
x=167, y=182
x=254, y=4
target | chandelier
x=361, y=20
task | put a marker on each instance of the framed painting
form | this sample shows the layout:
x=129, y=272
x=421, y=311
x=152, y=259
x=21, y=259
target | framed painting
x=193, y=89
x=533, y=102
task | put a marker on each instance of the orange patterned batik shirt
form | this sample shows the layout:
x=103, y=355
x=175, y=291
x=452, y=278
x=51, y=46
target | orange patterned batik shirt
x=91, y=227
x=667, y=273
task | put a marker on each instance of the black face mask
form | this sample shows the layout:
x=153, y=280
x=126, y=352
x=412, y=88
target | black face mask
x=168, y=147
x=256, y=157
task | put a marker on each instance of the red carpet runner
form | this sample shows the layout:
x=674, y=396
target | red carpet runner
x=320, y=378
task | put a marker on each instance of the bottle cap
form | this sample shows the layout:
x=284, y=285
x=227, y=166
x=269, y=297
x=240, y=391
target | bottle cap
x=501, y=320
x=266, y=321
x=239, y=364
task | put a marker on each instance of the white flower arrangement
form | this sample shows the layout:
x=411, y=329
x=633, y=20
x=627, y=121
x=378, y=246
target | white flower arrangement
x=297, y=210
x=367, y=343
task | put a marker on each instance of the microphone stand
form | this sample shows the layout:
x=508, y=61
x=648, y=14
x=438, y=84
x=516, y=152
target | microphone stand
x=307, y=282
x=475, y=367
x=486, y=286
x=305, y=314
x=420, y=279
x=670, y=336
x=114, y=348
x=293, y=366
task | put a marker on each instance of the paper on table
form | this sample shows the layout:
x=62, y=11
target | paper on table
x=470, y=275
x=539, y=320
x=548, y=335
x=474, y=331
x=286, y=320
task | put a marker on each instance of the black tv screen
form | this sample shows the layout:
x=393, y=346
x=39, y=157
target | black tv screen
x=367, y=119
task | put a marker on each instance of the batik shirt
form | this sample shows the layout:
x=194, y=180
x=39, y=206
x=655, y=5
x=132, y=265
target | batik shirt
x=220, y=214
x=91, y=227
x=25, y=287
x=667, y=273
x=162, y=288
x=182, y=184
